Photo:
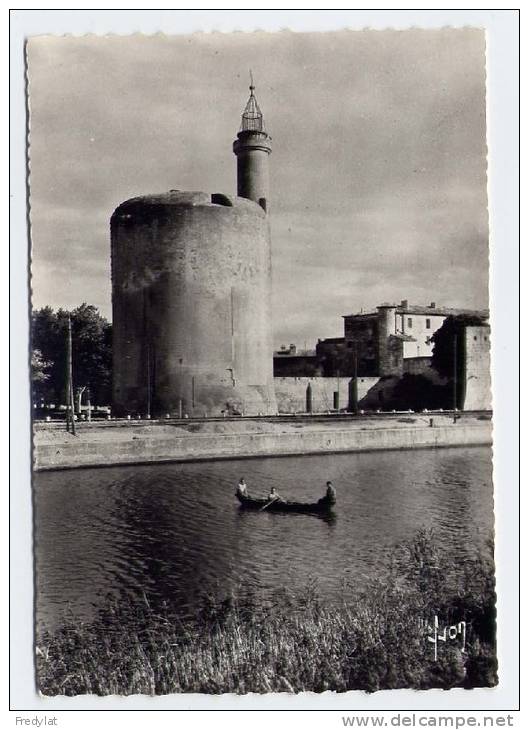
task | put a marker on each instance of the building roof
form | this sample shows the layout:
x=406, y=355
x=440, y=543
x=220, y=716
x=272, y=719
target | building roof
x=186, y=199
x=332, y=340
x=361, y=315
x=286, y=354
x=424, y=309
x=440, y=311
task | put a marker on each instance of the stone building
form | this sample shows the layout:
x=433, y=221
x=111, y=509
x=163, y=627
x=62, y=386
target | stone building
x=380, y=348
x=392, y=340
x=290, y=362
x=397, y=338
x=191, y=293
x=329, y=359
x=334, y=358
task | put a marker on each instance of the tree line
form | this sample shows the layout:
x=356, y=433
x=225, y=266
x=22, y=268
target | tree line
x=92, y=360
x=91, y=354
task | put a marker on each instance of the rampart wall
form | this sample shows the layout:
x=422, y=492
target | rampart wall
x=291, y=393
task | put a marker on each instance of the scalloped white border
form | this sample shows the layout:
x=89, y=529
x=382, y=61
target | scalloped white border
x=502, y=73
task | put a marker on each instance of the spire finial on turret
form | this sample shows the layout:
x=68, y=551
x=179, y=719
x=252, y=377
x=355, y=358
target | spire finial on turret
x=252, y=117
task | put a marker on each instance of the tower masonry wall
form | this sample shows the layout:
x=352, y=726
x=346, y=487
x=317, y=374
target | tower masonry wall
x=252, y=150
x=478, y=393
x=252, y=177
x=191, y=282
x=389, y=347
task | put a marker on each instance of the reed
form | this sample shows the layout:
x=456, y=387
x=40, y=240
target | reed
x=288, y=642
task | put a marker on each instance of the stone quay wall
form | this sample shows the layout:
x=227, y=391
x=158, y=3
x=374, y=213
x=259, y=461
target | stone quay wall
x=155, y=443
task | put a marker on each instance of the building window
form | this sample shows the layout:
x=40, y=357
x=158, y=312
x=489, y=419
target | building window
x=427, y=324
x=410, y=323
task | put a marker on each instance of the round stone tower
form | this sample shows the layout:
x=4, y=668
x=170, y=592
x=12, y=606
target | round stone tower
x=252, y=148
x=191, y=290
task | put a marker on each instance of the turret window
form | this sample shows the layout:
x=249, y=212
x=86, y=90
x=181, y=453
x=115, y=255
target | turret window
x=221, y=199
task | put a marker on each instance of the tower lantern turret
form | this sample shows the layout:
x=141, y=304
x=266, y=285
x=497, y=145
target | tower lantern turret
x=252, y=148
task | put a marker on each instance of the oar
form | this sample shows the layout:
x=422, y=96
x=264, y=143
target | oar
x=268, y=505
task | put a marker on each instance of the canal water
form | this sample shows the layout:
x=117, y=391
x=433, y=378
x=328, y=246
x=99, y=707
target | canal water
x=174, y=531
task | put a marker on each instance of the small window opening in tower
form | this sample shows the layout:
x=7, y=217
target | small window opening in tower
x=262, y=203
x=220, y=199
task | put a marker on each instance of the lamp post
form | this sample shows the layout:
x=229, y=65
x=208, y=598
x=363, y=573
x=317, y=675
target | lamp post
x=455, y=377
x=69, y=381
x=148, y=414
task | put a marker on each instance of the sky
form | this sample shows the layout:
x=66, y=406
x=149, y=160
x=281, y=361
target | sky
x=378, y=170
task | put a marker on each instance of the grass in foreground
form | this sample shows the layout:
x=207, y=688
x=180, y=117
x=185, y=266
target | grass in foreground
x=290, y=643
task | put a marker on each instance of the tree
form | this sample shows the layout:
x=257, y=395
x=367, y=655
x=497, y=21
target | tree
x=39, y=374
x=91, y=352
x=418, y=392
x=39, y=367
x=46, y=340
x=449, y=346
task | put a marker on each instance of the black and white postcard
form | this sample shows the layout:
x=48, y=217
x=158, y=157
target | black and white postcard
x=261, y=392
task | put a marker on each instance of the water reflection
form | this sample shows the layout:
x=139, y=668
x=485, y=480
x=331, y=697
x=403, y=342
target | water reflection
x=171, y=532
x=327, y=517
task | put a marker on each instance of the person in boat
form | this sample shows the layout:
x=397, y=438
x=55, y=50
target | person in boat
x=242, y=490
x=330, y=493
x=274, y=496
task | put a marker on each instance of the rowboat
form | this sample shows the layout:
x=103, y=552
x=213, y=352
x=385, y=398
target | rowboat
x=322, y=506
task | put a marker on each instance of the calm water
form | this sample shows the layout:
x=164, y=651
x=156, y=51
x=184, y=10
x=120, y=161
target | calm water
x=175, y=531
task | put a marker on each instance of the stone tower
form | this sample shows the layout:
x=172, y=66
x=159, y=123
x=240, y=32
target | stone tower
x=252, y=148
x=191, y=294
